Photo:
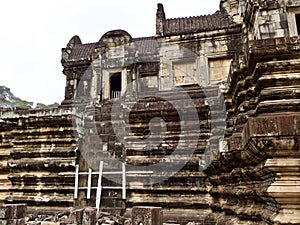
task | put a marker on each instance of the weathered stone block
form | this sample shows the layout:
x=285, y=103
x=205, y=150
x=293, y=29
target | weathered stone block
x=17, y=222
x=2, y=212
x=89, y=216
x=13, y=222
x=13, y=211
x=146, y=215
x=49, y=223
x=76, y=216
x=65, y=220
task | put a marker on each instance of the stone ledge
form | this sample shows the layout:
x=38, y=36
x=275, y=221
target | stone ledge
x=271, y=126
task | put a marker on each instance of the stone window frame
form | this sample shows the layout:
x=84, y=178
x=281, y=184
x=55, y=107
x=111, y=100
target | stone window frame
x=105, y=84
x=112, y=85
x=184, y=61
x=292, y=23
x=216, y=57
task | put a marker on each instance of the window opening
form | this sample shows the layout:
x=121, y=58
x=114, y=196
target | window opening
x=115, y=85
x=297, y=16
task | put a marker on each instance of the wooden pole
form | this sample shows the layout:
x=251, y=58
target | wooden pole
x=123, y=181
x=99, y=187
x=76, y=182
x=88, y=195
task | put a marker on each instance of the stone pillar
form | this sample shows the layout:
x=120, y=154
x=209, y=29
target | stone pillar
x=144, y=215
x=13, y=214
x=286, y=188
x=160, y=17
x=89, y=216
x=76, y=216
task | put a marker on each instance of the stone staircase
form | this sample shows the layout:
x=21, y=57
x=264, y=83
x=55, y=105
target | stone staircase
x=181, y=193
x=41, y=147
x=5, y=147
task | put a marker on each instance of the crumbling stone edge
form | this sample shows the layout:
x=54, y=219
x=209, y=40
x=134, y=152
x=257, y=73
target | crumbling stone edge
x=16, y=214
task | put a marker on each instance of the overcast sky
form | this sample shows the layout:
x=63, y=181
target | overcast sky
x=34, y=31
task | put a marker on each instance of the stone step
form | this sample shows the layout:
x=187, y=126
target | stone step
x=47, y=210
x=41, y=178
x=190, y=159
x=3, y=165
x=163, y=188
x=5, y=152
x=38, y=198
x=192, y=134
x=32, y=151
x=44, y=164
x=46, y=140
x=49, y=188
x=182, y=216
x=282, y=105
x=169, y=200
x=51, y=129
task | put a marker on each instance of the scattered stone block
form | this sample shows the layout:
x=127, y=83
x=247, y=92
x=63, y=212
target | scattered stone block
x=76, y=216
x=12, y=221
x=49, y=223
x=146, y=215
x=127, y=222
x=65, y=220
x=13, y=211
x=89, y=216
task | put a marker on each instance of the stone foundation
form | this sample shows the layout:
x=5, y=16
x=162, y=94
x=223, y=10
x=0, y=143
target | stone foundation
x=246, y=54
x=40, y=147
x=12, y=214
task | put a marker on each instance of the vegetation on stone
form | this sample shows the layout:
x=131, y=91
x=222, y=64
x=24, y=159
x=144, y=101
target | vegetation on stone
x=9, y=100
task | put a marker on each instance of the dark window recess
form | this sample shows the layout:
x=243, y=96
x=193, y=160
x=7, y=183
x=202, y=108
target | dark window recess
x=298, y=23
x=115, y=85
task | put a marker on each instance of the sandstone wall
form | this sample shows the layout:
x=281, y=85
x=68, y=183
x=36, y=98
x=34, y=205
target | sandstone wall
x=39, y=146
x=257, y=179
x=254, y=179
x=5, y=147
x=184, y=192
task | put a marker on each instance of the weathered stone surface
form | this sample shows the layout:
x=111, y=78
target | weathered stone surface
x=264, y=140
x=89, y=216
x=76, y=216
x=13, y=222
x=13, y=214
x=146, y=215
x=42, y=147
x=248, y=53
x=5, y=147
x=13, y=211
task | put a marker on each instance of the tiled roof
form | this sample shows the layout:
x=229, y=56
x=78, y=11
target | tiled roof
x=215, y=21
x=146, y=45
x=82, y=51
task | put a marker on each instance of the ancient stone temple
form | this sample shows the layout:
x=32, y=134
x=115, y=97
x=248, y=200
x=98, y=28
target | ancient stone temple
x=201, y=119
